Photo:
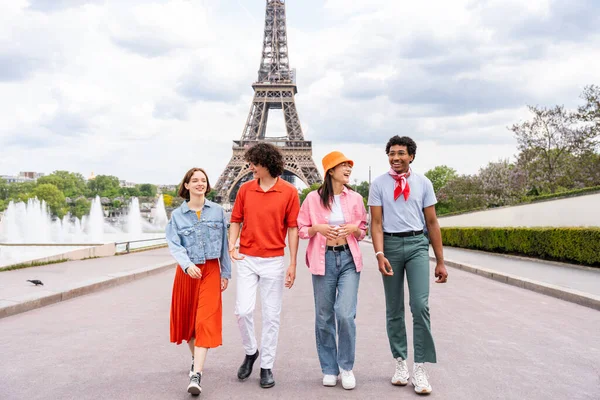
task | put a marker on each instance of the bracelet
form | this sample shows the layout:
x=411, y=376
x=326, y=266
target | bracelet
x=379, y=252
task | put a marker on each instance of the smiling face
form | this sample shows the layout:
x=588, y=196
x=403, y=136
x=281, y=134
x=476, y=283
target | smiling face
x=399, y=158
x=197, y=184
x=341, y=173
x=259, y=172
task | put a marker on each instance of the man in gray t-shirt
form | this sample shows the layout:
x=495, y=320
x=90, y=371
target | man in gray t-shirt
x=403, y=204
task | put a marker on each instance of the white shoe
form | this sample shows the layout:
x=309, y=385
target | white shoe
x=348, y=380
x=401, y=376
x=194, y=387
x=420, y=379
x=330, y=380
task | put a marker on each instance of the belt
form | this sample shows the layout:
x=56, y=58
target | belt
x=404, y=234
x=341, y=247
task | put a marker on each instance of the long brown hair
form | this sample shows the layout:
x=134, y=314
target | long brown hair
x=185, y=193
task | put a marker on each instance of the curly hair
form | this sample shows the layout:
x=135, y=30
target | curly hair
x=266, y=155
x=410, y=144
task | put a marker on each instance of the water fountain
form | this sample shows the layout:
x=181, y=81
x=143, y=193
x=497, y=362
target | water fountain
x=31, y=223
x=160, y=213
x=134, y=218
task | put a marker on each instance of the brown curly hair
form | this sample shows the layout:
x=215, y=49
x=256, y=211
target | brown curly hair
x=266, y=155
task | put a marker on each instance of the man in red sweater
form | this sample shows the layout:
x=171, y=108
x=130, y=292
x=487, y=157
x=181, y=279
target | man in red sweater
x=266, y=208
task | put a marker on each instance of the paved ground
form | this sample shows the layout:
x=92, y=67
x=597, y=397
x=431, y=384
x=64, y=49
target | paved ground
x=494, y=341
x=71, y=277
x=583, y=279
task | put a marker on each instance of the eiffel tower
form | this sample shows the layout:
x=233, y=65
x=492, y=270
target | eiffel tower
x=274, y=89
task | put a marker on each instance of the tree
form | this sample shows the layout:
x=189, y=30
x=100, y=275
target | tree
x=465, y=192
x=590, y=111
x=20, y=191
x=362, y=189
x=584, y=170
x=4, y=192
x=104, y=186
x=503, y=183
x=168, y=200
x=306, y=191
x=80, y=207
x=132, y=192
x=440, y=176
x=53, y=197
x=548, y=138
x=211, y=195
x=71, y=184
x=147, y=190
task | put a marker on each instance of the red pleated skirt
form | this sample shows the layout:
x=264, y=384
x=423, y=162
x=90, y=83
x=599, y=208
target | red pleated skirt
x=196, y=310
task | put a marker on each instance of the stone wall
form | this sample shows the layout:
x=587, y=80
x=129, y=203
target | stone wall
x=573, y=211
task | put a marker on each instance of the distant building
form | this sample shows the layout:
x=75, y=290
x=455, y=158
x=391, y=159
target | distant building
x=22, y=177
x=31, y=175
x=125, y=184
x=16, y=179
x=92, y=176
x=167, y=188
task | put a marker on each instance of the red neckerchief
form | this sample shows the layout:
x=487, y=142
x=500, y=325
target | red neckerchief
x=401, y=186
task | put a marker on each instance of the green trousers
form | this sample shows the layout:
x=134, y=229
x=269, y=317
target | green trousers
x=410, y=254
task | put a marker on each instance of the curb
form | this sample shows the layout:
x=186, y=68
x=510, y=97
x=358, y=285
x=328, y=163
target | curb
x=529, y=259
x=79, y=289
x=570, y=295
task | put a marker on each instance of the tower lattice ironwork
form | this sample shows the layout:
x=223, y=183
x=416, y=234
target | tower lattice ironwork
x=274, y=89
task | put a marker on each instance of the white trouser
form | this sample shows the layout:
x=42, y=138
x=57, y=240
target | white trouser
x=269, y=274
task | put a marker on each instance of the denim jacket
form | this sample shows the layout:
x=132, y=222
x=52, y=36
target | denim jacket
x=194, y=241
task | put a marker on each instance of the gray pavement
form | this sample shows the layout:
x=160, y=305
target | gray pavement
x=73, y=278
x=494, y=341
x=574, y=277
x=574, y=283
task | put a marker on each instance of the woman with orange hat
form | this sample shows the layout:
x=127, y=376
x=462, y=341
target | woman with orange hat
x=333, y=219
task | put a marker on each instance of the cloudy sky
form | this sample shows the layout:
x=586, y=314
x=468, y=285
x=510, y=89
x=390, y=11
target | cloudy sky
x=145, y=90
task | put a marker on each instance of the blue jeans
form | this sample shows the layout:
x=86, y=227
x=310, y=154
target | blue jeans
x=336, y=294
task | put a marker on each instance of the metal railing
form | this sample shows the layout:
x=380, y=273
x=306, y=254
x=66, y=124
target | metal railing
x=128, y=244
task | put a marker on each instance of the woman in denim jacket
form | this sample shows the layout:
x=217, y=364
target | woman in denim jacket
x=334, y=219
x=197, y=238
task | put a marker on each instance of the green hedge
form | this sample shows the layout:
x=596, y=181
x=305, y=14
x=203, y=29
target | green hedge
x=566, y=194
x=573, y=245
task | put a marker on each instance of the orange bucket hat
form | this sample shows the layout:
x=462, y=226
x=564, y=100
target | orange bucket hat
x=335, y=158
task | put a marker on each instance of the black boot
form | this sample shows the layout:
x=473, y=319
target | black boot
x=246, y=368
x=266, y=378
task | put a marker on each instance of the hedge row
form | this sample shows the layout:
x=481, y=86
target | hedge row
x=573, y=245
x=569, y=193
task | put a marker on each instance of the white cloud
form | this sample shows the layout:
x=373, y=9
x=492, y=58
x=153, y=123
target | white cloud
x=147, y=89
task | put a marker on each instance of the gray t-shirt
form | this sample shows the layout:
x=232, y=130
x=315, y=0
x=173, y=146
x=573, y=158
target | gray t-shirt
x=402, y=215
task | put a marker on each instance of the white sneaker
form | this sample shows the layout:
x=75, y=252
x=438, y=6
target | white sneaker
x=194, y=387
x=401, y=376
x=348, y=379
x=420, y=379
x=330, y=380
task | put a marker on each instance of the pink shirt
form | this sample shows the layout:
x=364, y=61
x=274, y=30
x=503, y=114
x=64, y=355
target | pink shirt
x=312, y=213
